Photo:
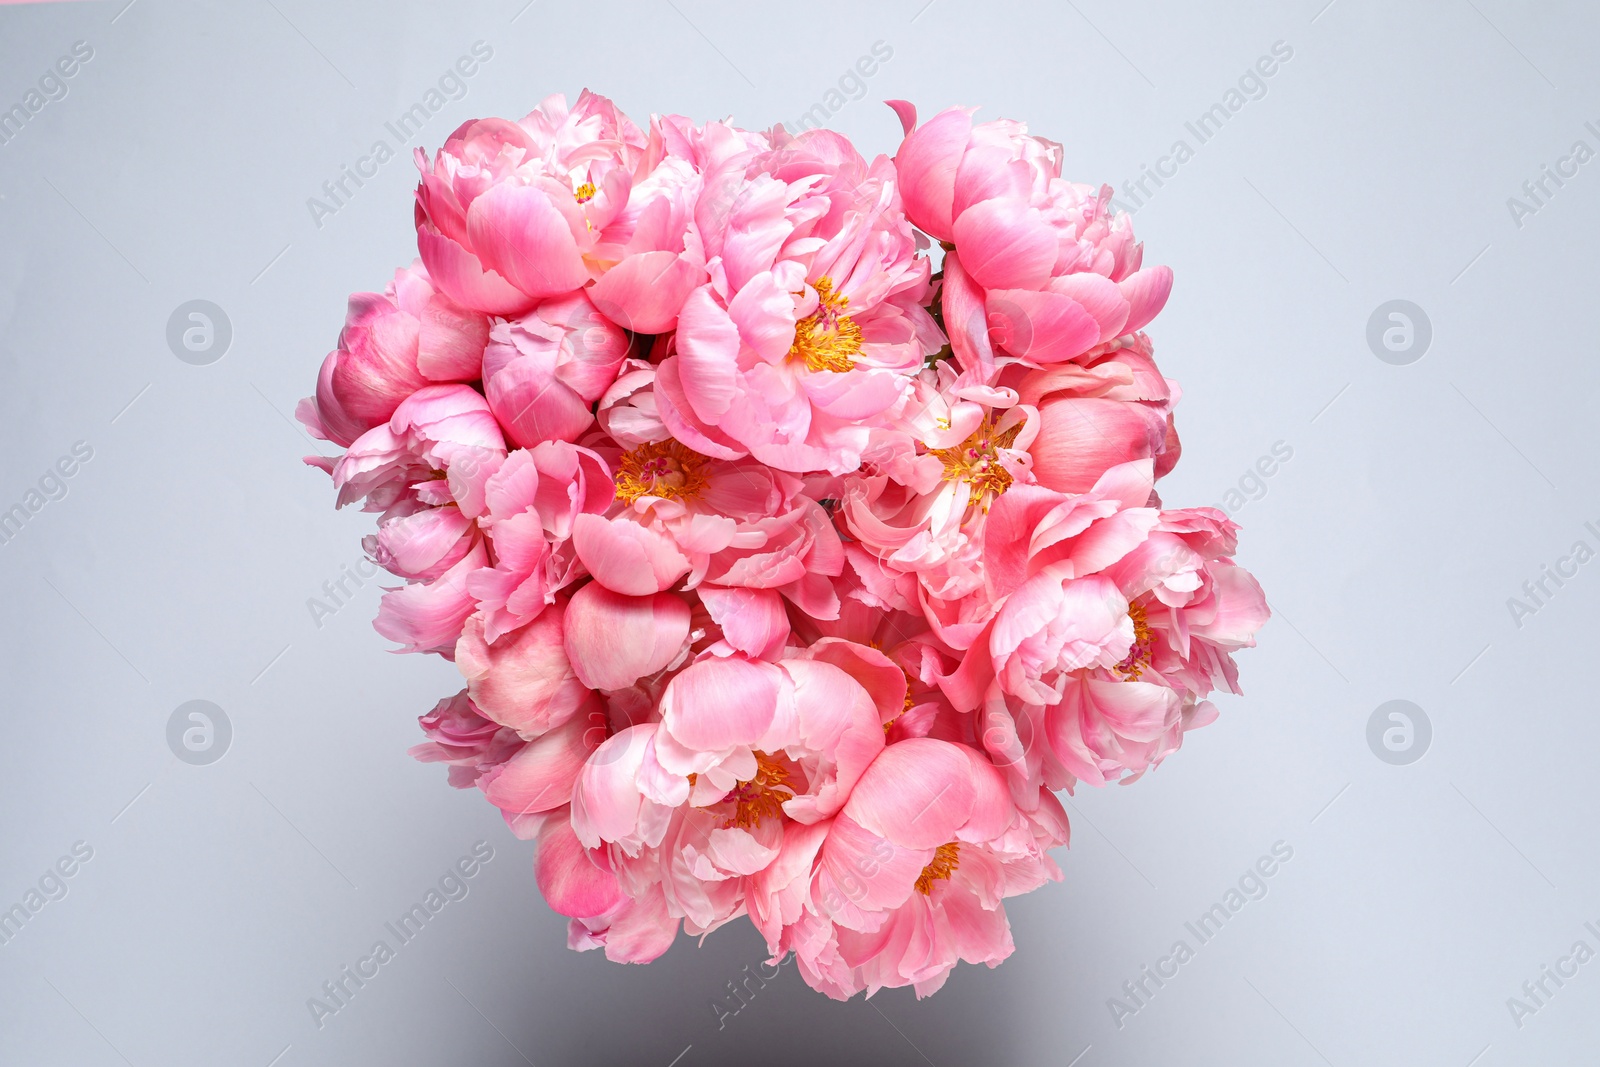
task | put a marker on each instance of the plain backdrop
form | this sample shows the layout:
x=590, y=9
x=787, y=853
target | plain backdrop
x=1375, y=164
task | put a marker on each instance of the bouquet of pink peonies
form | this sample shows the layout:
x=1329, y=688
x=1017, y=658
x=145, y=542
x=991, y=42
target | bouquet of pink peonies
x=788, y=576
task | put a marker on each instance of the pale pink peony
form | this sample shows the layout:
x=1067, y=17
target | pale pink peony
x=813, y=318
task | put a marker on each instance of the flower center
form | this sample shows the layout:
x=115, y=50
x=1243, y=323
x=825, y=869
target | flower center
x=584, y=193
x=760, y=797
x=976, y=461
x=1139, y=655
x=946, y=858
x=827, y=339
x=664, y=469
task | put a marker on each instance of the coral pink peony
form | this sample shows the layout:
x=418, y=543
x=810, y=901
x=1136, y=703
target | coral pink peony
x=788, y=579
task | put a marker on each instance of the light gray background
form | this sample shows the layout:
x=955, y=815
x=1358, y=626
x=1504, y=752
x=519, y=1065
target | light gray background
x=1418, y=499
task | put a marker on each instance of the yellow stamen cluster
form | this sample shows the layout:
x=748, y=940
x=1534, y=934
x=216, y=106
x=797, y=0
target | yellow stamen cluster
x=827, y=339
x=584, y=193
x=665, y=469
x=761, y=797
x=976, y=461
x=1139, y=655
x=946, y=858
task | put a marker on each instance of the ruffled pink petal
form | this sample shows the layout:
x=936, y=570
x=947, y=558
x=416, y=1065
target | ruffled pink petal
x=834, y=715
x=1146, y=292
x=428, y=617
x=860, y=872
x=752, y=620
x=883, y=680
x=541, y=775
x=606, y=799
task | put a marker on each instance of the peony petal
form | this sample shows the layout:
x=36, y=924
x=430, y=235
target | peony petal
x=1146, y=292
x=708, y=353
x=1005, y=244
x=573, y=880
x=926, y=164
x=718, y=704
x=626, y=557
x=645, y=292
x=917, y=793
x=541, y=775
x=1040, y=327
x=613, y=640
x=460, y=274
x=522, y=680
x=520, y=235
x=752, y=620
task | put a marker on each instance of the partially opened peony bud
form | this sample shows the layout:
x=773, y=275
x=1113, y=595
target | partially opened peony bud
x=544, y=372
x=394, y=343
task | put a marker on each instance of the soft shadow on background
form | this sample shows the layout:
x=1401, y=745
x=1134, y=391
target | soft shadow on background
x=1400, y=481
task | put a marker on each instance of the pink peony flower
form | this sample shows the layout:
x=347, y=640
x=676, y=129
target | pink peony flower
x=531, y=502
x=911, y=875
x=813, y=318
x=544, y=372
x=1041, y=270
x=511, y=213
x=393, y=344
